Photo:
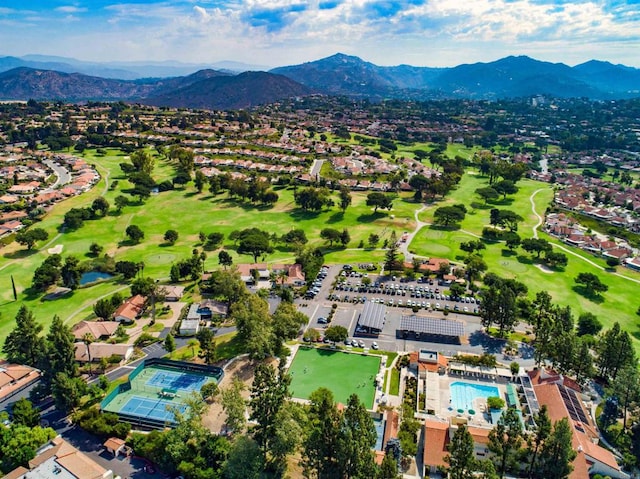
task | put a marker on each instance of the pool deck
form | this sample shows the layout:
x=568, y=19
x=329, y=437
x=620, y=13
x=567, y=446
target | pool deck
x=438, y=399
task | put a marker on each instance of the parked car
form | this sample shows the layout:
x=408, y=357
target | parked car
x=374, y=345
x=322, y=320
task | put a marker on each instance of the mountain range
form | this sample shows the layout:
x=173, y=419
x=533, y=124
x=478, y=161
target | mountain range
x=339, y=74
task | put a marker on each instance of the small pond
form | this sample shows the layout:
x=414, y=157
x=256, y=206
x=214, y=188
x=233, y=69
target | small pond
x=92, y=276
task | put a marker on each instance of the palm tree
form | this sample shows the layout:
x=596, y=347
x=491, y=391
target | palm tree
x=87, y=339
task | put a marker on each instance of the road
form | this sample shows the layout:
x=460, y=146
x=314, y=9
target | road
x=63, y=176
x=564, y=248
x=315, y=168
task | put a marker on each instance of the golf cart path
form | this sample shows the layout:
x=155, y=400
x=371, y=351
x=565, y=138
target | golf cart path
x=565, y=249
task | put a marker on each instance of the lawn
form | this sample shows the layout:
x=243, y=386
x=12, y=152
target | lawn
x=619, y=303
x=187, y=212
x=342, y=373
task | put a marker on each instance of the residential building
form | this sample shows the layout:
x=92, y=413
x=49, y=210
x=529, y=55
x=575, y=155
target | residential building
x=60, y=460
x=15, y=378
x=130, y=310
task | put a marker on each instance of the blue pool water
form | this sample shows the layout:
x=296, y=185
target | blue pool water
x=463, y=394
x=91, y=276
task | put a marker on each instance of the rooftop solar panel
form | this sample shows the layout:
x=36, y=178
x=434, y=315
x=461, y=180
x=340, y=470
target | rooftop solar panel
x=373, y=316
x=435, y=326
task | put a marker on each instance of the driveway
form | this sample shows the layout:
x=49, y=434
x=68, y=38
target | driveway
x=91, y=445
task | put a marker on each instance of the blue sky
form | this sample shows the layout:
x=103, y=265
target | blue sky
x=284, y=32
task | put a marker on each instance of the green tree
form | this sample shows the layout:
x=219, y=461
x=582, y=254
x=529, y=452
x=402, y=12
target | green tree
x=269, y=392
x=537, y=439
x=255, y=328
x=336, y=334
x=245, y=460
x=487, y=194
x=330, y=235
x=391, y=257
x=321, y=446
x=287, y=321
x=208, y=346
x=199, y=181
x=357, y=441
x=614, y=350
x=67, y=391
x=505, y=187
x=142, y=161
x=505, y=439
x=30, y=236
x=225, y=259
x=447, y=215
x=24, y=345
x=227, y=286
x=461, y=460
x=100, y=206
x=626, y=388
x=24, y=414
x=557, y=453
x=388, y=468
x=170, y=344
x=512, y=240
x=209, y=391
x=379, y=200
x=536, y=245
x=18, y=445
x=591, y=283
x=234, y=406
x=255, y=243
x=171, y=236
x=120, y=201
x=71, y=272
x=48, y=273
x=61, y=355
x=95, y=249
x=345, y=198
x=134, y=233
x=588, y=323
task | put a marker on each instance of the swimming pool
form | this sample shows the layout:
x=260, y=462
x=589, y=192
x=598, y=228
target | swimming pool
x=463, y=394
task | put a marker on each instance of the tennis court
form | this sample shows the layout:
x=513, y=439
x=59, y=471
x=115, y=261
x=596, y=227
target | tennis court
x=342, y=373
x=176, y=380
x=150, y=408
x=154, y=386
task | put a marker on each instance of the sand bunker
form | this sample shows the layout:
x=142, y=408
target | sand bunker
x=544, y=268
x=57, y=249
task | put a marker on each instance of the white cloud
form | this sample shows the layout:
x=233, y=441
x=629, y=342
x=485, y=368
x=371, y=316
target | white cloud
x=71, y=9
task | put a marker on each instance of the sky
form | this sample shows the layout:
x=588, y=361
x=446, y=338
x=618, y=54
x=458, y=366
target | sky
x=285, y=32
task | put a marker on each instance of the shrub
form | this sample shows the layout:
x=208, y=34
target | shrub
x=104, y=425
x=494, y=402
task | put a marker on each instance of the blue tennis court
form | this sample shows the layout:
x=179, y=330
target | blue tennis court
x=150, y=408
x=175, y=380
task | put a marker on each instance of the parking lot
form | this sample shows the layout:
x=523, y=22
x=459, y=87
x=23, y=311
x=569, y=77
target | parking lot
x=352, y=291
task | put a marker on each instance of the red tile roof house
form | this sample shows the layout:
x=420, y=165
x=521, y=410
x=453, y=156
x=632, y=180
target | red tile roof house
x=130, y=310
x=58, y=458
x=591, y=458
x=97, y=351
x=10, y=227
x=13, y=379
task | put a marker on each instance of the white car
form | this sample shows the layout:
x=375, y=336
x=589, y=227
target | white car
x=374, y=345
x=361, y=343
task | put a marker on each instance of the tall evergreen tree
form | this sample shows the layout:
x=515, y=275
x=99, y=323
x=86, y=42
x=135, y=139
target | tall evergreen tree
x=557, y=453
x=321, y=446
x=461, y=459
x=391, y=262
x=24, y=345
x=357, y=441
x=269, y=392
x=536, y=440
x=505, y=439
x=60, y=351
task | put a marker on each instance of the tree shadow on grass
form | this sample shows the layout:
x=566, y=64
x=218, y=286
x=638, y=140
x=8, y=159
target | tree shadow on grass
x=504, y=202
x=590, y=295
x=524, y=259
x=507, y=252
x=301, y=215
x=20, y=254
x=371, y=217
x=451, y=227
x=191, y=194
x=127, y=242
x=335, y=218
x=476, y=205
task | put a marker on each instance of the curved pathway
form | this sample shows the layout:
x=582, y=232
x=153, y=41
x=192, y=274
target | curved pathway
x=404, y=247
x=567, y=250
